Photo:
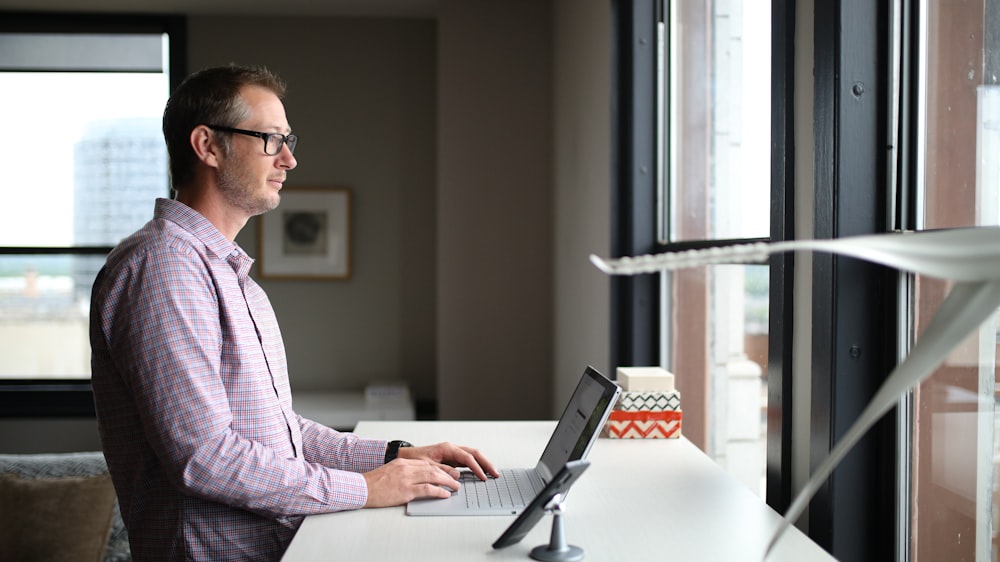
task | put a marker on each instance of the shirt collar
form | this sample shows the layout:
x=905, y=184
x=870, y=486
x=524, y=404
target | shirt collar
x=195, y=223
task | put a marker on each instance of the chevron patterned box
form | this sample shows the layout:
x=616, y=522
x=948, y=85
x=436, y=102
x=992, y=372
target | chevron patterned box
x=649, y=401
x=644, y=425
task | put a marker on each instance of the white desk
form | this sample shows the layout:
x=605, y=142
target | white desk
x=640, y=500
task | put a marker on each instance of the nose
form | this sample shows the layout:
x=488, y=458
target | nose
x=285, y=159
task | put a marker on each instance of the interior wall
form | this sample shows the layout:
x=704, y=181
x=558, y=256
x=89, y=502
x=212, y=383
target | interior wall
x=361, y=97
x=582, y=183
x=495, y=209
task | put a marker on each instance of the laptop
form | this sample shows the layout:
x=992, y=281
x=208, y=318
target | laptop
x=574, y=435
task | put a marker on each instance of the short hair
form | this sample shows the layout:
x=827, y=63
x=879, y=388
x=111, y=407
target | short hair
x=209, y=96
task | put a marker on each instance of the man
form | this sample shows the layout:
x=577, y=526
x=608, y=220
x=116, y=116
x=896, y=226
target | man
x=208, y=458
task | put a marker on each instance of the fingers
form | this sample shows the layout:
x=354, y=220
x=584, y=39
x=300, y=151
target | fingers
x=432, y=475
x=449, y=470
x=448, y=455
x=445, y=478
x=432, y=491
x=454, y=455
x=487, y=465
x=438, y=484
x=476, y=462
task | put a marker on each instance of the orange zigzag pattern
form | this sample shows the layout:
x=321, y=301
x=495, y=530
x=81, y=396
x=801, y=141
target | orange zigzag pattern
x=644, y=429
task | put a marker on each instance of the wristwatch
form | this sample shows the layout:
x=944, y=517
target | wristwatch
x=393, y=449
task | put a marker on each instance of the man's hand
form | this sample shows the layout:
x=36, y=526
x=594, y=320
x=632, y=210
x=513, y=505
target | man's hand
x=450, y=455
x=403, y=480
x=420, y=472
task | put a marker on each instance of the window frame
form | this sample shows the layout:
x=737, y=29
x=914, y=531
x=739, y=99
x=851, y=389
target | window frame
x=782, y=267
x=855, y=303
x=54, y=398
x=635, y=300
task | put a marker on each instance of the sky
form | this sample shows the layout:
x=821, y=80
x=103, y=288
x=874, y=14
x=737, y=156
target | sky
x=44, y=115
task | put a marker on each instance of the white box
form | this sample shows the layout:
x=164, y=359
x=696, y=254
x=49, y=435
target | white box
x=645, y=379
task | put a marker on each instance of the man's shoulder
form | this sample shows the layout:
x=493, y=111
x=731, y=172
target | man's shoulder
x=160, y=248
x=158, y=236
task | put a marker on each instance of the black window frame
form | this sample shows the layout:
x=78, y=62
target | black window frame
x=635, y=300
x=855, y=303
x=55, y=398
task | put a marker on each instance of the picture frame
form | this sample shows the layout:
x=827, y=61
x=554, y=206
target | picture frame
x=308, y=236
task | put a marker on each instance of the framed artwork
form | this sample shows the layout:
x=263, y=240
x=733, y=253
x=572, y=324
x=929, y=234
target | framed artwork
x=308, y=236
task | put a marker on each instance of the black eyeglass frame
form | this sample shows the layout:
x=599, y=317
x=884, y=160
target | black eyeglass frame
x=286, y=140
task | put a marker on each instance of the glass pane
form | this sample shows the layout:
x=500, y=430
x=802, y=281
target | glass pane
x=720, y=335
x=83, y=154
x=716, y=185
x=44, y=312
x=954, y=485
x=718, y=120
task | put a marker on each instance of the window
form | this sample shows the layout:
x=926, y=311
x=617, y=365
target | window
x=709, y=86
x=84, y=162
x=714, y=188
x=904, y=122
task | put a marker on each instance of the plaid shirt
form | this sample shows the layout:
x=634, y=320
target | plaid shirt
x=194, y=408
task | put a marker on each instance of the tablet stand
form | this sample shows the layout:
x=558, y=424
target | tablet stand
x=557, y=550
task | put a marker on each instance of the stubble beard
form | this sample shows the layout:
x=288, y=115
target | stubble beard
x=236, y=188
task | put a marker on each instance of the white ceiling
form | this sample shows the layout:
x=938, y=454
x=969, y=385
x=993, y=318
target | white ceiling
x=364, y=8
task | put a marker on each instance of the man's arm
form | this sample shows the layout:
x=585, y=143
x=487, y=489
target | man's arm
x=417, y=472
x=344, y=451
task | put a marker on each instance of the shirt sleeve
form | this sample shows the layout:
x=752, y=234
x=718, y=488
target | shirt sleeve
x=165, y=336
x=344, y=451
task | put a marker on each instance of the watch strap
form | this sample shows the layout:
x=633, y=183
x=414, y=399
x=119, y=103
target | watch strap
x=392, y=451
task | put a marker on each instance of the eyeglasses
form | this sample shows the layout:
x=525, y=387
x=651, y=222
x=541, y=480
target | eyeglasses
x=272, y=141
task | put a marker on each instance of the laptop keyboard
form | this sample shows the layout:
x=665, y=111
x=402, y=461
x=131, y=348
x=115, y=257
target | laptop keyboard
x=512, y=489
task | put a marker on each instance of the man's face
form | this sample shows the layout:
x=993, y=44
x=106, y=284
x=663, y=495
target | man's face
x=250, y=179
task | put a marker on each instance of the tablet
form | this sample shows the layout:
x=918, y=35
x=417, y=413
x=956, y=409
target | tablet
x=558, y=486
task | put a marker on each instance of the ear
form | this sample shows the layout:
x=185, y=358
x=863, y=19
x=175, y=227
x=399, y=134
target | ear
x=204, y=147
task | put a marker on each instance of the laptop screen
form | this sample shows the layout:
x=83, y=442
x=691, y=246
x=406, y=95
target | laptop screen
x=586, y=412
